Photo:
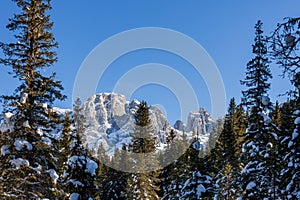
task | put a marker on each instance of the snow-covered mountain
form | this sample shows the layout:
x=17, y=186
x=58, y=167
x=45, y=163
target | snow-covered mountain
x=111, y=119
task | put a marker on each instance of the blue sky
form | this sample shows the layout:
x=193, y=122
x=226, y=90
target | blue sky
x=224, y=28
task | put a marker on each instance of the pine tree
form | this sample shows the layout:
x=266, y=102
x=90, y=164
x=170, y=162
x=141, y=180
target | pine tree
x=143, y=184
x=30, y=169
x=170, y=136
x=258, y=173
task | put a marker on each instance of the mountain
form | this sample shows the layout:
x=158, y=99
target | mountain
x=110, y=119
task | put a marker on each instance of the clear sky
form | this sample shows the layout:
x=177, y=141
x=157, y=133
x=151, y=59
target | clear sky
x=224, y=28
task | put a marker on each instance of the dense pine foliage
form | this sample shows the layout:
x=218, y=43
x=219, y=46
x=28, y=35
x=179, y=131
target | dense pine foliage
x=254, y=152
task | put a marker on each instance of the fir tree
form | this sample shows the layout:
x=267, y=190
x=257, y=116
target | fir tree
x=285, y=41
x=198, y=185
x=284, y=46
x=143, y=184
x=29, y=171
x=227, y=164
x=258, y=173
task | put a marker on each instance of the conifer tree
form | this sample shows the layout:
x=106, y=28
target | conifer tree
x=176, y=173
x=143, y=184
x=80, y=170
x=30, y=169
x=63, y=147
x=285, y=42
x=114, y=185
x=198, y=184
x=276, y=115
x=258, y=173
x=227, y=164
x=284, y=46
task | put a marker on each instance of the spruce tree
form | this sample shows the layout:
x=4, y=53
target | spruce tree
x=30, y=169
x=284, y=46
x=198, y=184
x=143, y=184
x=285, y=41
x=227, y=166
x=258, y=173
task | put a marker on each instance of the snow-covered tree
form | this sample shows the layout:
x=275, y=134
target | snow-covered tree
x=28, y=165
x=285, y=43
x=259, y=174
x=198, y=184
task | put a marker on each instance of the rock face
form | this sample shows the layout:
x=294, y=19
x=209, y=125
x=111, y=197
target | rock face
x=179, y=125
x=199, y=122
x=111, y=119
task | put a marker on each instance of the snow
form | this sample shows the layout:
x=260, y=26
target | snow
x=47, y=141
x=290, y=144
x=250, y=186
x=4, y=150
x=111, y=120
x=295, y=134
x=26, y=124
x=5, y=127
x=91, y=167
x=265, y=100
x=53, y=175
x=297, y=120
x=74, y=196
x=73, y=161
x=200, y=189
x=76, y=183
x=17, y=163
x=20, y=144
x=296, y=112
x=269, y=145
x=7, y=116
x=23, y=98
x=45, y=106
x=39, y=132
x=267, y=119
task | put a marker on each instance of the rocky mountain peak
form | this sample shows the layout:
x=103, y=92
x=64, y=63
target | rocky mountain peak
x=111, y=119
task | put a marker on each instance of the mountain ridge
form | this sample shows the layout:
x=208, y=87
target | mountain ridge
x=110, y=119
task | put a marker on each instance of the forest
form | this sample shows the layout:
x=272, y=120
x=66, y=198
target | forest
x=255, y=154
